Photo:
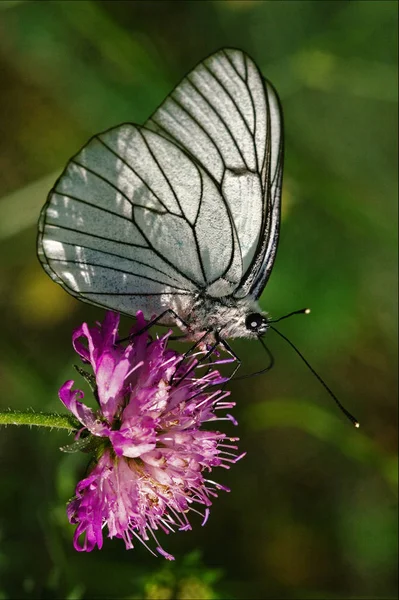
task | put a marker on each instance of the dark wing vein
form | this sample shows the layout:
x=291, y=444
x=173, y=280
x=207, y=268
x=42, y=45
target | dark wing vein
x=154, y=158
x=99, y=237
x=89, y=264
x=268, y=148
x=195, y=231
x=132, y=260
x=233, y=66
x=194, y=162
x=179, y=293
x=185, y=275
x=106, y=210
x=228, y=93
x=213, y=108
x=193, y=118
x=149, y=188
x=75, y=162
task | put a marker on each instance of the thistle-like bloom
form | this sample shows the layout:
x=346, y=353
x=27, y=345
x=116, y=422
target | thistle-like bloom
x=152, y=455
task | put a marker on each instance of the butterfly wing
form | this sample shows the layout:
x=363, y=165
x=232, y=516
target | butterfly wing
x=123, y=226
x=228, y=118
x=150, y=217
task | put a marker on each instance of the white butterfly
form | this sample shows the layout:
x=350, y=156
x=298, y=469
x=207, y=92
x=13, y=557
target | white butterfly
x=179, y=216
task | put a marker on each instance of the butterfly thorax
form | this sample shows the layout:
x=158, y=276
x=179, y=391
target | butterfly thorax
x=224, y=317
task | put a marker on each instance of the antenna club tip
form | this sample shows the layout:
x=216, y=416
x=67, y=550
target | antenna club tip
x=307, y=311
x=357, y=424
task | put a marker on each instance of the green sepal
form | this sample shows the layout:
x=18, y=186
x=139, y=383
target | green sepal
x=88, y=377
x=89, y=443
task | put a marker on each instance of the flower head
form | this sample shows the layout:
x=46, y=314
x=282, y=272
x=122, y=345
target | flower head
x=152, y=454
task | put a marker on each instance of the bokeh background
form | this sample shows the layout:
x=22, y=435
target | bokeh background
x=313, y=507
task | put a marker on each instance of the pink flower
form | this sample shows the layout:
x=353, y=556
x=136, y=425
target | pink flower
x=152, y=456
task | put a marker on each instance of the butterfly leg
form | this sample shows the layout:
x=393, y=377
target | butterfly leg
x=230, y=351
x=154, y=322
x=211, y=349
x=265, y=369
x=189, y=352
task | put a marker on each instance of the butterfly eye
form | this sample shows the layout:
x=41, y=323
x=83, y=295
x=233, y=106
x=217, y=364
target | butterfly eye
x=256, y=323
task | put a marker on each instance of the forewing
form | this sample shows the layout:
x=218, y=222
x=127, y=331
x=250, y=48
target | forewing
x=227, y=118
x=124, y=226
x=256, y=277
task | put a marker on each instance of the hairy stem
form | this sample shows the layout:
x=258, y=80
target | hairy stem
x=28, y=417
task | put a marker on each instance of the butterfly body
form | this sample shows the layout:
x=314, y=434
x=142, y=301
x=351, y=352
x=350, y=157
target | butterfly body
x=221, y=318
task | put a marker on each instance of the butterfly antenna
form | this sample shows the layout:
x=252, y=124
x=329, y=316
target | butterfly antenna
x=302, y=311
x=333, y=396
x=262, y=371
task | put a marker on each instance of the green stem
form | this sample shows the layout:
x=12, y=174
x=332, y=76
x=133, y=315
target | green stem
x=28, y=417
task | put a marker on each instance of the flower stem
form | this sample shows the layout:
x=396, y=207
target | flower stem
x=28, y=417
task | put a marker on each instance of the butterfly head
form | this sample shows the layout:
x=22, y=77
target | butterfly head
x=256, y=323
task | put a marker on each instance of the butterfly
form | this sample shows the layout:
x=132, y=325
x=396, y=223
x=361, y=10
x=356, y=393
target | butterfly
x=180, y=217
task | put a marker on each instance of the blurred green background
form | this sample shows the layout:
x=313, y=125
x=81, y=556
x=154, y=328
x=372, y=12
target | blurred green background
x=313, y=507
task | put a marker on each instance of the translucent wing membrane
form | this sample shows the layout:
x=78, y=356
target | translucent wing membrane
x=125, y=224
x=256, y=277
x=227, y=117
x=148, y=218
